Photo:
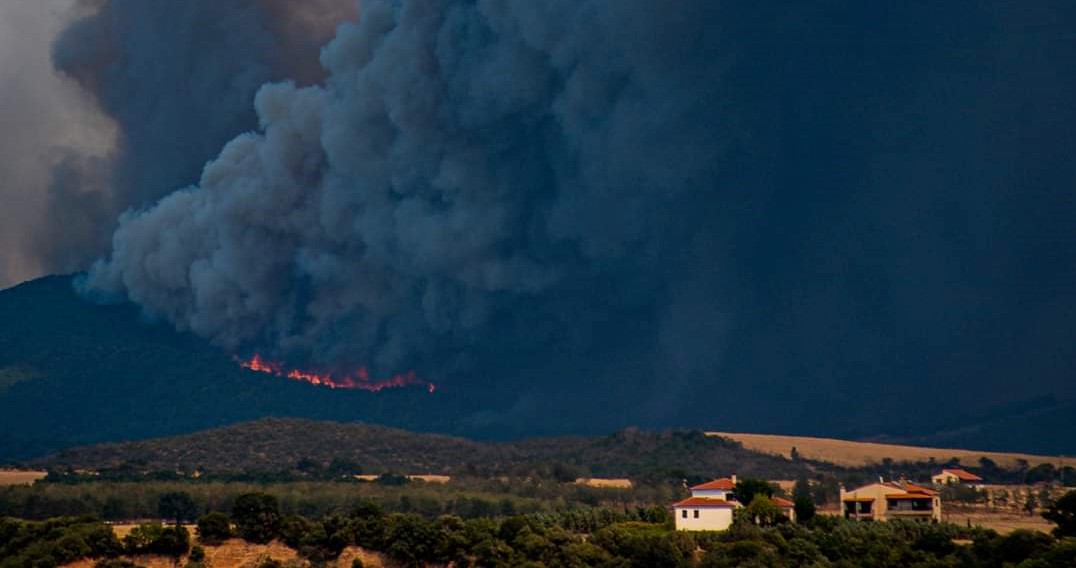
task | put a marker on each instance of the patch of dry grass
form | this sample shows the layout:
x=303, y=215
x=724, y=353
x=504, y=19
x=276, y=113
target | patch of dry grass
x=20, y=477
x=428, y=478
x=853, y=454
x=1004, y=523
x=616, y=483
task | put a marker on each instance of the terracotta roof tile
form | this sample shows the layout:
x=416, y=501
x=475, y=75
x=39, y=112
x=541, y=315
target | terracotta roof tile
x=912, y=488
x=723, y=484
x=963, y=475
x=907, y=496
x=703, y=502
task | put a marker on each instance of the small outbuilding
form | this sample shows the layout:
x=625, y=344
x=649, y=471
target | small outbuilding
x=956, y=476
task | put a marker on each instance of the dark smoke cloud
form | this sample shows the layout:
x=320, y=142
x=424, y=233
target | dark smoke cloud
x=177, y=78
x=668, y=207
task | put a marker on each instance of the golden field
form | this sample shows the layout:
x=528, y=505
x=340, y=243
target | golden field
x=19, y=477
x=852, y=454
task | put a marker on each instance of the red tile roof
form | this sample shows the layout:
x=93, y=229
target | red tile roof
x=705, y=502
x=723, y=484
x=963, y=475
x=912, y=488
x=907, y=496
x=783, y=503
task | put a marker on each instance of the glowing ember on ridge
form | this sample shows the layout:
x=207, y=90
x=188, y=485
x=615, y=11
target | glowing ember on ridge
x=359, y=380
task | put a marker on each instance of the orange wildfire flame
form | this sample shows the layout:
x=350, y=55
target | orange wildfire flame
x=359, y=380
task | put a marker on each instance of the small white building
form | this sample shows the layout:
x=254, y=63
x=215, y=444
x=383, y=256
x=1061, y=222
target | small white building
x=711, y=505
x=709, y=508
x=703, y=514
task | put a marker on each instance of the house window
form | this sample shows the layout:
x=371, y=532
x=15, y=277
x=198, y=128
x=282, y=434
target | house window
x=696, y=513
x=683, y=514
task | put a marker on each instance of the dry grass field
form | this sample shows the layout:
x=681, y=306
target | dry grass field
x=615, y=483
x=19, y=477
x=1002, y=522
x=849, y=453
x=428, y=478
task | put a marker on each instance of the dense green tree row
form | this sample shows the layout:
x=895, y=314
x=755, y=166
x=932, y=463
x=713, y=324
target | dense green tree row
x=639, y=538
x=622, y=538
x=186, y=500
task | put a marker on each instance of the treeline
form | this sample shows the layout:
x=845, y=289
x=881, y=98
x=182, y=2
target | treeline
x=637, y=538
x=463, y=497
x=307, y=449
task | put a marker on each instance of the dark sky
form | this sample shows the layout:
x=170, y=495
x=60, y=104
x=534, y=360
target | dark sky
x=812, y=216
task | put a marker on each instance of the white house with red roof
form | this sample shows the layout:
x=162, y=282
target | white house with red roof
x=956, y=476
x=891, y=500
x=711, y=505
x=703, y=514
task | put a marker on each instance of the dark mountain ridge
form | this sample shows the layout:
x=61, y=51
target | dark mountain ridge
x=74, y=373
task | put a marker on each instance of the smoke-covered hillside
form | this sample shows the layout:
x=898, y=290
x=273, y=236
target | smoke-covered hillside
x=74, y=373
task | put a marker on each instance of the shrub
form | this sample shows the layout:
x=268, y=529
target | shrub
x=178, y=506
x=157, y=539
x=1063, y=513
x=257, y=517
x=214, y=528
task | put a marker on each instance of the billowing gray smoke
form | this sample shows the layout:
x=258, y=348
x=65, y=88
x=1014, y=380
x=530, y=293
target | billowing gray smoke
x=464, y=161
x=177, y=78
x=668, y=206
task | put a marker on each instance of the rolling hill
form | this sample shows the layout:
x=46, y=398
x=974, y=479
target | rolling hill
x=275, y=445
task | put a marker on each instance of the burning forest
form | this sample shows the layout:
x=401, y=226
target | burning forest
x=356, y=380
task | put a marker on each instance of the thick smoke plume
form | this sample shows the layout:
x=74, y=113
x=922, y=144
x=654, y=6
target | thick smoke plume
x=464, y=162
x=176, y=79
x=680, y=202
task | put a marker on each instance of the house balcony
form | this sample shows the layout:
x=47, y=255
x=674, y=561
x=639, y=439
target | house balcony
x=910, y=513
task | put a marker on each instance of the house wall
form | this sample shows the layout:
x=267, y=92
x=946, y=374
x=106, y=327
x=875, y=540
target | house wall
x=711, y=493
x=874, y=491
x=710, y=518
x=945, y=478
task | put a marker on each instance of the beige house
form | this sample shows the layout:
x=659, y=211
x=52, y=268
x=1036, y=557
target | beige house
x=886, y=500
x=711, y=505
x=955, y=476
